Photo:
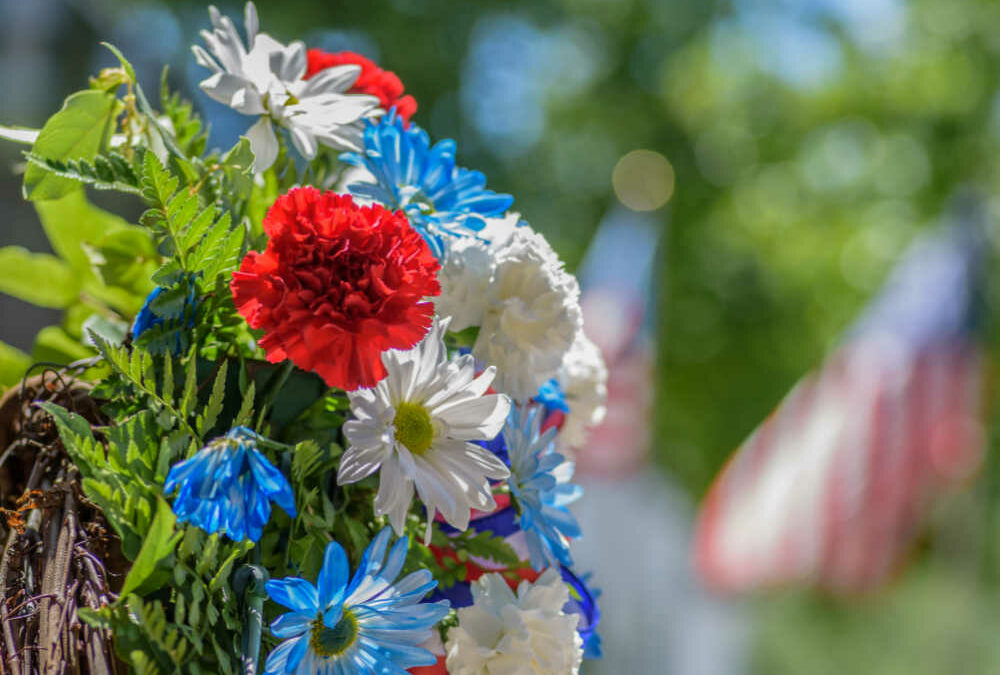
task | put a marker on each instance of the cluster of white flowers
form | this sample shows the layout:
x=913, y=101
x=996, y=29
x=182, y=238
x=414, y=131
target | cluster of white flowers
x=516, y=290
x=584, y=381
x=265, y=78
x=531, y=315
x=523, y=634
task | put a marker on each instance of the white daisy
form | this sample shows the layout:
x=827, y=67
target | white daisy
x=531, y=315
x=415, y=426
x=266, y=80
x=583, y=379
x=527, y=634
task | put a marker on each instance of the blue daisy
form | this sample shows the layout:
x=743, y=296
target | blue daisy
x=228, y=486
x=539, y=482
x=367, y=624
x=440, y=199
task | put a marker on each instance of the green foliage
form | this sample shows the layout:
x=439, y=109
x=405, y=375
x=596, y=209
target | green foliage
x=109, y=171
x=92, y=241
x=176, y=603
x=39, y=278
x=198, y=239
x=79, y=131
x=449, y=568
x=53, y=344
x=159, y=542
x=124, y=258
x=188, y=127
x=13, y=364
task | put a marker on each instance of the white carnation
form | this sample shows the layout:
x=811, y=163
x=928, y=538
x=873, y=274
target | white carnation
x=467, y=270
x=526, y=634
x=584, y=381
x=498, y=231
x=531, y=315
x=465, y=278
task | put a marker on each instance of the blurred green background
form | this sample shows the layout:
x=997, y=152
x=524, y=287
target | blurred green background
x=805, y=143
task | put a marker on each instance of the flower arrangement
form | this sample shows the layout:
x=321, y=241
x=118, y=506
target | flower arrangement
x=332, y=318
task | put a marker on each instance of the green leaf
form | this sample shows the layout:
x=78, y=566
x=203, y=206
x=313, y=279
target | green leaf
x=80, y=130
x=13, y=364
x=112, y=330
x=210, y=413
x=107, y=172
x=237, y=164
x=246, y=408
x=38, y=278
x=240, y=549
x=159, y=543
x=73, y=429
x=125, y=258
x=54, y=344
x=126, y=66
x=96, y=618
x=71, y=221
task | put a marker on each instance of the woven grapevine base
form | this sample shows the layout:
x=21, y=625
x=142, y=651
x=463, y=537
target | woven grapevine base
x=59, y=554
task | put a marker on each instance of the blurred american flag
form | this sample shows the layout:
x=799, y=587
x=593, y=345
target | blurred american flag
x=829, y=490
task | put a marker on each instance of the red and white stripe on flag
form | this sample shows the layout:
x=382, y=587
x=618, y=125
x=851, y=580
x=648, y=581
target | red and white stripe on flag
x=829, y=489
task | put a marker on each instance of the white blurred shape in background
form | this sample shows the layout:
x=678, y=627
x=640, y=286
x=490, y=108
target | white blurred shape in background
x=655, y=617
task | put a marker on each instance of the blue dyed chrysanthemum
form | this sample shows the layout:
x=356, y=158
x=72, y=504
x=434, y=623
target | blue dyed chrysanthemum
x=539, y=482
x=583, y=601
x=440, y=199
x=147, y=318
x=228, y=486
x=367, y=624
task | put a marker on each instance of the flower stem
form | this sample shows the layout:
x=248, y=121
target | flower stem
x=249, y=580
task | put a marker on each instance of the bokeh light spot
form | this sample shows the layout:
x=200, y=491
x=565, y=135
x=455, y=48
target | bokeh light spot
x=643, y=180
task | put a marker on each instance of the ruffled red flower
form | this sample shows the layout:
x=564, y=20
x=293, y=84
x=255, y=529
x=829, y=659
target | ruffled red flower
x=373, y=80
x=337, y=285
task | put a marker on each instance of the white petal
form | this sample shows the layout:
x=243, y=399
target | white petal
x=479, y=419
x=358, y=463
x=289, y=64
x=263, y=143
x=202, y=58
x=304, y=142
x=251, y=23
x=223, y=86
x=336, y=80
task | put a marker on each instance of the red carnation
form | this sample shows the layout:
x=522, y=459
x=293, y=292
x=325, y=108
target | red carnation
x=337, y=285
x=373, y=80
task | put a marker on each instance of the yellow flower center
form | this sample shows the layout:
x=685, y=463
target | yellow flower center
x=334, y=641
x=413, y=427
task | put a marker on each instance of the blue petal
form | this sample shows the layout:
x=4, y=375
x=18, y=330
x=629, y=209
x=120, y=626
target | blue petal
x=271, y=481
x=296, y=654
x=278, y=658
x=294, y=593
x=291, y=624
x=333, y=576
x=371, y=561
